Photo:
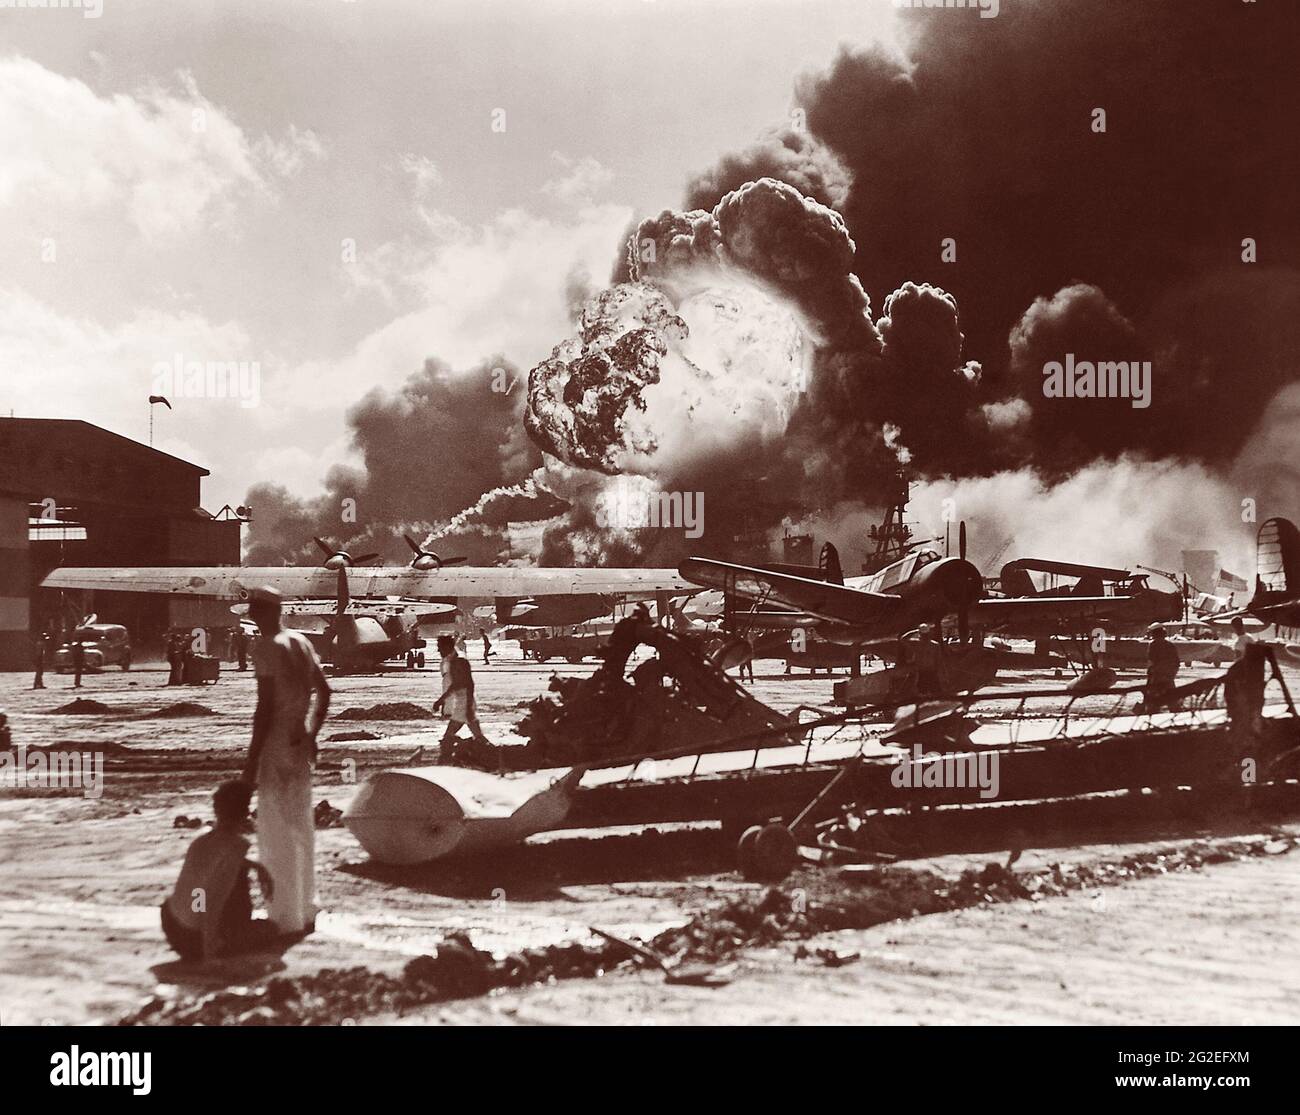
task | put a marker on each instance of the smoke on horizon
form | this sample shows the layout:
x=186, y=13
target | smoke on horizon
x=963, y=184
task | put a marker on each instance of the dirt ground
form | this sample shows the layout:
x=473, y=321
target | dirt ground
x=81, y=880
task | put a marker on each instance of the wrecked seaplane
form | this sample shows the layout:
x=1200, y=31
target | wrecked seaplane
x=774, y=790
x=676, y=701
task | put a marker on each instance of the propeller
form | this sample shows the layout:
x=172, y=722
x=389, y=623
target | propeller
x=427, y=559
x=963, y=613
x=341, y=559
x=343, y=594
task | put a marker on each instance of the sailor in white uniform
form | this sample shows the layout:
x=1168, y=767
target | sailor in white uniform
x=280, y=761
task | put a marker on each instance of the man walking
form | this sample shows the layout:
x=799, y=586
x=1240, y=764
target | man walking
x=747, y=663
x=280, y=760
x=457, y=698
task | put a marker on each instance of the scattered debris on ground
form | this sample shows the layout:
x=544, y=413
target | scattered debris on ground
x=327, y=816
x=680, y=697
x=349, y=737
x=831, y=958
x=183, y=821
x=821, y=903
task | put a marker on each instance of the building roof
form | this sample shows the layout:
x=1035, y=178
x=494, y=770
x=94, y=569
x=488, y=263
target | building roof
x=68, y=429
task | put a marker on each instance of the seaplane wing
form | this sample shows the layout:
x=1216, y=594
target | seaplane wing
x=823, y=599
x=1068, y=611
x=424, y=610
x=1069, y=569
x=235, y=582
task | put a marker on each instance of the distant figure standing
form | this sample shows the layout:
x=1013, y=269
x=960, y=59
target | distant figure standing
x=188, y=674
x=1242, y=642
x=39, y=652
x=280, y=760
x=175, y=659
x=1243, y=692
x=457, y=696
x=1162, y=667
x=78, y=654
x=240, y=641
x=487, y=646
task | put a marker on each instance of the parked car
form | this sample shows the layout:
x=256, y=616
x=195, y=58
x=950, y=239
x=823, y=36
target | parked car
x=106, y=644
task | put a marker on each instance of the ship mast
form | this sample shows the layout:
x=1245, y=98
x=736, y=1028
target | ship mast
x=892, y=539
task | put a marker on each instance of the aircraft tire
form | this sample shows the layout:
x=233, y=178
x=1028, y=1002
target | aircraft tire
x=775, y=852
x=745, y=851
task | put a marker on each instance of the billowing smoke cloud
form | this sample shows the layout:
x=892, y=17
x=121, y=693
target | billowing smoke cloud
x=977, y=159
x=1079, y=322
x=984, y=134
x=736, y=353
x=790, y=156
x=448, y=444
x=1124, y=512
x=739, y=360
x=773, y=233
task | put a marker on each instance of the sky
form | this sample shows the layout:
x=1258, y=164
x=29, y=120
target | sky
x=331, y=192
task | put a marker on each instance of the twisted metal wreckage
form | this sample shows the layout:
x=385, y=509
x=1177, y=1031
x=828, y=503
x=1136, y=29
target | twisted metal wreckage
x=677, y=740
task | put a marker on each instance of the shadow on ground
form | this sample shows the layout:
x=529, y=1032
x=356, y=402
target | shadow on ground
x=535, y=871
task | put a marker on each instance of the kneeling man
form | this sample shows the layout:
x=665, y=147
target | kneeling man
x=210, y=913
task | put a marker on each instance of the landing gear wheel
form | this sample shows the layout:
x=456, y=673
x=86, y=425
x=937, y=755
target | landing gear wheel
x=410, y=661
x=774, y=853
x=745, y=850
x=419, y=660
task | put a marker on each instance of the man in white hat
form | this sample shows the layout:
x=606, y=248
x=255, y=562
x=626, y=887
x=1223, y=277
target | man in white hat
x=280, y=760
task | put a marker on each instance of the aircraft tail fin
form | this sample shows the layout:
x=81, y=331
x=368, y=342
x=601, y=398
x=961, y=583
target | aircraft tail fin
x=1017, y=581
x=1089, y=585
x=1278, y=562
x=829, y=564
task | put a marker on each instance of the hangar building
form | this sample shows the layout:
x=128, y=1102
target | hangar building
x=75, y=494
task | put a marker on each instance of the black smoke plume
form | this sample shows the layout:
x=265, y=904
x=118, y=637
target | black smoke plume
x=443, y=442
